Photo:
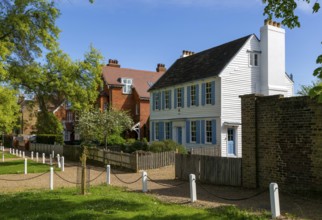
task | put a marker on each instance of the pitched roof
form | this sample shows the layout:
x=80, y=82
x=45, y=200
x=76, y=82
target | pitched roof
x=141, y=79
x=201, y=65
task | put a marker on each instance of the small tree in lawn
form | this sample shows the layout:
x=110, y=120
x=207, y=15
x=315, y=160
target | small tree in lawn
x=98, y=125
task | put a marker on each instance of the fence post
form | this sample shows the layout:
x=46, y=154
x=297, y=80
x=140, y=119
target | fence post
x=23, y=154
x=51, y=178
x=50, y=160
x=10, y=150
x=53, y=154
x=275, y=202
x=20, y=153
x=2, y=156
x=144, y=182
x=136, y=161
x=17, y=152
x=108, y=174
x=58, y=161
x=32, y=155
x=62, y=163
x=193, y=190
x=43, y=158
x=37, y=157
x=26, y=166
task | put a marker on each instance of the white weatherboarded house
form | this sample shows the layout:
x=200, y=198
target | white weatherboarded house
x=196, y=102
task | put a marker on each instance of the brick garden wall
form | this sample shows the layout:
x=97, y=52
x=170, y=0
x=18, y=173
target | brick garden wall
x=282, y=142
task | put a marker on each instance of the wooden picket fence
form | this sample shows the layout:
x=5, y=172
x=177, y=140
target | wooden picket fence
x=135, y=161
x=209, y=169
x=208, y=151
x=47, y=148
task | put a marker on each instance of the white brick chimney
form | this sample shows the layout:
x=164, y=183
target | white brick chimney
x=272, y=43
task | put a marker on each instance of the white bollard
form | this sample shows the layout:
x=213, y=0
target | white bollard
x=108, y=174
x=193, y=190
x=62, y=163
x=43, y=158
x=26, y=166
x=50, y=160
x=144, y=182
x=58, y=161
x=32, y=155
x=51, y=178
x=275, y=201
x=37, y=157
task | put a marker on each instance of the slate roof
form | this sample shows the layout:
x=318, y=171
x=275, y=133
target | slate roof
x=201, y=65
x=142, y=80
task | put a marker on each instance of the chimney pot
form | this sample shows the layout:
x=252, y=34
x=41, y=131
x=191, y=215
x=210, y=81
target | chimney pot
x=278, y=24
x=113, y=63
x=161, y=67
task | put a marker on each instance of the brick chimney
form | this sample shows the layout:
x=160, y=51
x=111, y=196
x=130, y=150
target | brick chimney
x=161, y=68
x=113, y=63
x=186, y=53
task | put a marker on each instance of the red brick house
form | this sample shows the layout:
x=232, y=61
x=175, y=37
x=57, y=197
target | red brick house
x=127, y=89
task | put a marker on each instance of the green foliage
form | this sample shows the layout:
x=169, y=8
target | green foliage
x=107, y=202
x=305, y=89
x=285, y=11
x=96, y=125
x=167, y=145
x=9, y=109
x=133, y=145
x=47, y=123
x=50, y=138
x=26, y=27
x=115, y=139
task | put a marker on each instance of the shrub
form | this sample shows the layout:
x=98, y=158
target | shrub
x=115, y=139
x=50, y=138
x=166, y=145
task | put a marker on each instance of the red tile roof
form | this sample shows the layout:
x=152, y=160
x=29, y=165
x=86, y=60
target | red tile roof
x=142, y=80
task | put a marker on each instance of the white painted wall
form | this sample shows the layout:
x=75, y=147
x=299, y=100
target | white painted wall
x=238, y=78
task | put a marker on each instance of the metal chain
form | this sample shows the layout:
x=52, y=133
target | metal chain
x=34, y=177
x=232, y=199
x=96, y=177
x=65, y=179
x=167, y=185
x=125, y=181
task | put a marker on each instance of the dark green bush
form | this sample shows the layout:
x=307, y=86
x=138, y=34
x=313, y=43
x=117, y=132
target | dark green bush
x=166, y=145
x=115, y=139
x=132, y=145
x=50, y=139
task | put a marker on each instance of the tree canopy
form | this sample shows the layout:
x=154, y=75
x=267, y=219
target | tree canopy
x=31, y=61
x=9, y=109
x=98, y=125
x=285, y=10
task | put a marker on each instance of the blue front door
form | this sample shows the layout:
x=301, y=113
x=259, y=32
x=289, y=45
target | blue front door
x=179, y=135
x=231, y=141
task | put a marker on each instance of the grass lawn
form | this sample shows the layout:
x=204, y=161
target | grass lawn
x=106, y=202
x=18, y=167
x=7, y=155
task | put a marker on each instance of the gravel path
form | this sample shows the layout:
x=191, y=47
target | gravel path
x=163, y=185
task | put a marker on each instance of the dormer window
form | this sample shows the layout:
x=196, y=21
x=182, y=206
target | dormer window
x=127, y=85
x=254, y=59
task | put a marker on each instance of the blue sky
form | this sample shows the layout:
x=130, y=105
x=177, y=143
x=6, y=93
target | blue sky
x=142, y=33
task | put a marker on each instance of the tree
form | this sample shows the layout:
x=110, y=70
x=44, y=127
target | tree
x=305, y=89
x=9, y=109
x=98, y=125
x=26, y=27
x=285, y=10
x=60, y=79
